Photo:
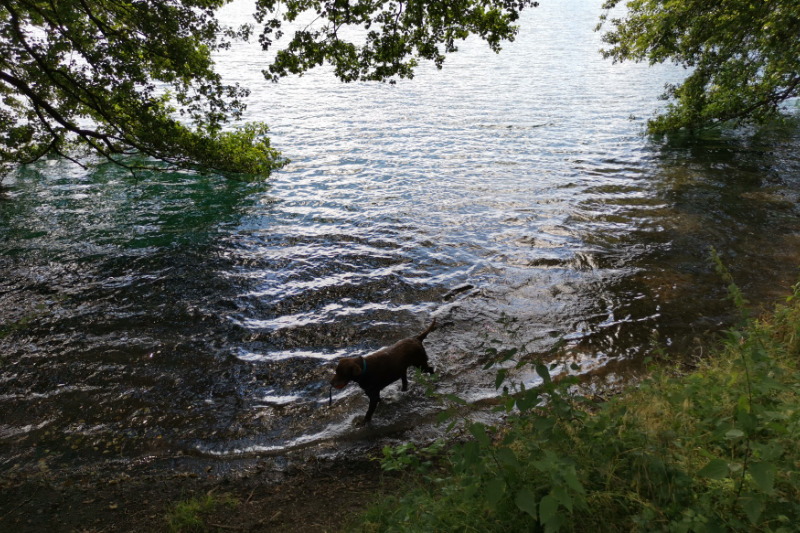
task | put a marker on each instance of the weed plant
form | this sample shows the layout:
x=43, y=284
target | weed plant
x=712, y=450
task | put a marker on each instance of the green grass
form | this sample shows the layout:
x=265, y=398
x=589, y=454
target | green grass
x=189, y=515
x=713, y=450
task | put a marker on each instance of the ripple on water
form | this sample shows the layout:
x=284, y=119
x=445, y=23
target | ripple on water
x=194, y=317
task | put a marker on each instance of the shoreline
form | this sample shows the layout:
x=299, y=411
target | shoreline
x=308, y=495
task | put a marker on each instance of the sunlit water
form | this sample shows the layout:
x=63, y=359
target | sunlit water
x=196, y=318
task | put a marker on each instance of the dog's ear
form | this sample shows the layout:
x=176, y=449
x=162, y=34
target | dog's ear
x=358, y=366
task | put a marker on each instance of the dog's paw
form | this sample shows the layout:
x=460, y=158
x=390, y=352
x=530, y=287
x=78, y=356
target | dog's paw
x=361, y=422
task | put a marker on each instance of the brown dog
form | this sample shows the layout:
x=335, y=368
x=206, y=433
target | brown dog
x=383, y=367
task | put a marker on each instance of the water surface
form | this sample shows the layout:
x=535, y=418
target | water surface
x=191, y=318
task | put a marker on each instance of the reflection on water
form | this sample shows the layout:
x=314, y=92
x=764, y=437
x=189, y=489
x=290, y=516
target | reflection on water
x=178, y=316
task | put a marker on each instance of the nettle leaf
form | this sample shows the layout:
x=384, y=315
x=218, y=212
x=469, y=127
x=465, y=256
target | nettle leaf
x=526, y=501
x=478, y=431
x=507, y=457
x=444, y=416
x=501, y=377
x=548, y=509
x=764, y=475
x=544, y=424
x=456, y=399
x=743, y=404
x=507, y=354
x=563, y=497
x=747, y=420
x=543, y=372
x=715, y=469
x=528, y=400
x=495, y=489
x=753, y=506
x=769, y=451
x=571, y=477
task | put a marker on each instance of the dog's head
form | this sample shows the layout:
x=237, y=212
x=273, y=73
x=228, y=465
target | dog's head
x=347, y=369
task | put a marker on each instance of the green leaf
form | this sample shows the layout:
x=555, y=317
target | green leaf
x=715, y=469
x=543, y=372
x=770, y=451
x=753, y=506
x=747, y=421
x=572, y=480
x=544, y=424
x=478, y=430
x=509, y=405
x=455, y=399
x=743, y=404
x=563, y=497
x=507, y=354
x=528, y=401
x=444, y=416
x=507, y=457
x=548, y=509
x=526, y=501
x=764, y=475
x=471, y=453
x=495, y=489
x=500, y=378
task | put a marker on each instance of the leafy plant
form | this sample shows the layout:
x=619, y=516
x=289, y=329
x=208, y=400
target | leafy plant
x=408, y=456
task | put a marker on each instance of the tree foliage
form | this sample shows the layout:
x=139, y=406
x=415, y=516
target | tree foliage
x=121, y=78
x=380, y=39
x=134, y=80
x=743, y=55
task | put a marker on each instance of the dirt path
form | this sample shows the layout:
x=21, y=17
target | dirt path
x=314, y=496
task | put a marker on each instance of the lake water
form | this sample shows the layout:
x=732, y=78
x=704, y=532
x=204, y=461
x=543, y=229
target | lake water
x=183, y=319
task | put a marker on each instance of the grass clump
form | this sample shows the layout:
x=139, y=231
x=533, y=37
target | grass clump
x=190, y=515
x=714, y=450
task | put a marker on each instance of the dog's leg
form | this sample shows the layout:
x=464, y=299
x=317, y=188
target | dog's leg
x=404, y=377
x=373, y=403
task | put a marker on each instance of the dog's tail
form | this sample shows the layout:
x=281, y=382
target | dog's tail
x=421, y=336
